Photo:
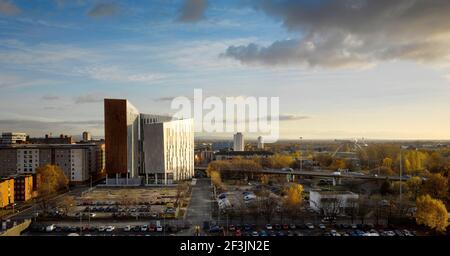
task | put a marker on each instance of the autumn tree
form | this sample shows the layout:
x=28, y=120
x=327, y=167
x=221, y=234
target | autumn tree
x=267, y=205
x=294, y=196
x=431, y=213
x=67, y=204
x=436, y=186
x=279, y=161
x=414, y=186
x=51, y=180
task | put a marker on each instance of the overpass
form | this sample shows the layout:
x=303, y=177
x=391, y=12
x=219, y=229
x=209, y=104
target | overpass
x=320, y=173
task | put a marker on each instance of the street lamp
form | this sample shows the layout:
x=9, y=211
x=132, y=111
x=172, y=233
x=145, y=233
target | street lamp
x=401, y=169
x=301, y=156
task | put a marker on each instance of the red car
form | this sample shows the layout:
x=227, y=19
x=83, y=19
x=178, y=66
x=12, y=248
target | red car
x=151, y=228
x=285, y=226
x=238, y=233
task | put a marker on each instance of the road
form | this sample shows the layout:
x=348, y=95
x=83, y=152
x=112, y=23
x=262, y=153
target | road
x=323, y=173
x=200, y=207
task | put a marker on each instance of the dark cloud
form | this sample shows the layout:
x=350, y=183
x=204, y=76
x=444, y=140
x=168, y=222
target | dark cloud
x=353, y=33
x=88, y=98
x=9, y=8
x=50, y=97
x=103, y=10
x=193, y=10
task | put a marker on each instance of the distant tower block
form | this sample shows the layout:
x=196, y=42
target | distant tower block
x=87, y=136
x=260, y=142
x=238, y=142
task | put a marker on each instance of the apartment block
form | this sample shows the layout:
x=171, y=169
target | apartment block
x=6, y=192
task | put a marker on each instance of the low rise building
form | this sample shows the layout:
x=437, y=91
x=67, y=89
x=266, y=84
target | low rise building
x=23, y=187
x=336, y=201
x=6, y=192
x=228, y=155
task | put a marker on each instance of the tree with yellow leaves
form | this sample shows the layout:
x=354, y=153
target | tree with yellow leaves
x=50, y=180
x=414, y=186
x=431, y=213
x=436, y=186
x=294, y=195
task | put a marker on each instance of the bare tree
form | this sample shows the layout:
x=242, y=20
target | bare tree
x=330, y=208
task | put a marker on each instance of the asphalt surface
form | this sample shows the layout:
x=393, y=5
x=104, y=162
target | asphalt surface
x=199, y=209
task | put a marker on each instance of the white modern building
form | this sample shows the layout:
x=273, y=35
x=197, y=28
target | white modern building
x=320, y=200
x=238, y=142
x=260, y=142
x=167, y=149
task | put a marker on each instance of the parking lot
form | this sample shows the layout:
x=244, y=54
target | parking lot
x=309, y=229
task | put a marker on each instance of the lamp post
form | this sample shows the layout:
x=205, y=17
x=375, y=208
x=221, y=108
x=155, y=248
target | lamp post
x=301, y=155
x=401, y=169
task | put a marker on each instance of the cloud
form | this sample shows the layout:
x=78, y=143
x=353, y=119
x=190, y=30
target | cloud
x=103, y=10
x=193, y=10
x=116, y=74
x=292, y=117
x=89, y=98
x=50, y=97
x=352, y=33
x=8, y=8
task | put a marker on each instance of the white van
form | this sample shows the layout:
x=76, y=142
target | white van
x=50, y=228
x=159, y=228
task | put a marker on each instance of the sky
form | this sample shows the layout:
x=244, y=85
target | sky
x=376, y=69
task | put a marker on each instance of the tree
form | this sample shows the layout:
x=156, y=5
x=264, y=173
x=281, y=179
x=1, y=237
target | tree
x=436, y=186
x=67, y=204
x=330, y=208
x=267, y=205
x=385, y=188
x=50, y=180
x=414, y=186
x=431, y=213
x=294, y=196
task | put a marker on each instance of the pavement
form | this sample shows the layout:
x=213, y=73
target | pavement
x=200, y=207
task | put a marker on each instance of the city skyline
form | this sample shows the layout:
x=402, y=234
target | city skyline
x=372, y=69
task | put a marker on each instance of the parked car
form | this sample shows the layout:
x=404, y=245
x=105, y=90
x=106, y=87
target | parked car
x=277, y=226
x=292, y=226
x=269, y=226
x=127, y=228
x=110, y=228
x=285, y=226
x=144, y=228
x=101, y=229
x=238, y=233
x=322, y=226
x=255, y=233
x=231, y=228
x=309, y=226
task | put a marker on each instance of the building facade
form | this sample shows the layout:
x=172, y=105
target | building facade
x=6, y=192
x=260, y=142
x=23, y=188
x=336, y=201
x=238, y=142
x=77, y=161
x=13, y=137
x=168, y=151
x=121, y=138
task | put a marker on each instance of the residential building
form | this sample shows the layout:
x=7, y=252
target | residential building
x=77, y=161
x=222, y=145
x=87, y=136
x=23, y=187
x=62, y=139
x=6, y=192
x=13, y=137
x=260, y=142
x=238, y=142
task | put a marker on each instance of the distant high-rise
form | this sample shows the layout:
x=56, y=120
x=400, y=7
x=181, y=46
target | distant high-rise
x=238, y=142
x=87, y=136
x=260, y=143
x=121, y=138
